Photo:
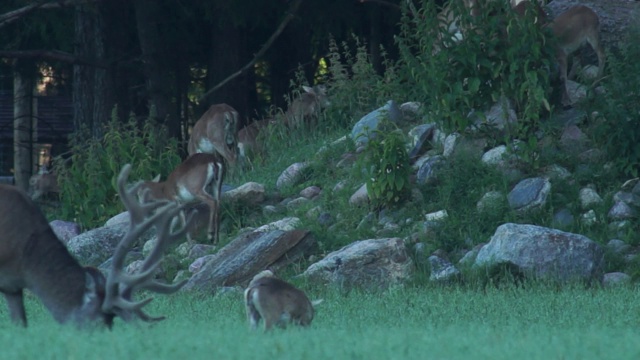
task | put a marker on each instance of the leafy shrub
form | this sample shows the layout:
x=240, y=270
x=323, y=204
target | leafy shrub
x=388, y=167
x=355, y=88
x=88, y=178
x=617, y=129
x=503, y=56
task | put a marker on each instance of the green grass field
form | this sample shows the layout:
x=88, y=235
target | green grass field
x=417, y=323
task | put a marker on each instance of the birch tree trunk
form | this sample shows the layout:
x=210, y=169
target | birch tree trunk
x=22, y=129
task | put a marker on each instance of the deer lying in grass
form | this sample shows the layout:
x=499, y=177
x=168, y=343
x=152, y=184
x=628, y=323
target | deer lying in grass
x=276, y=302
x=573, y=28
x=188, y=183
x=305, y=108
x=216, y=132
x=32, y=257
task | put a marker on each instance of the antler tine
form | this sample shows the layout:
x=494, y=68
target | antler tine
x=120, y=287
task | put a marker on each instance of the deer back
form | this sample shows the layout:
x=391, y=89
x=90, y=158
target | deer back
x=216, y=132
x=576, y=26
x=277, y=302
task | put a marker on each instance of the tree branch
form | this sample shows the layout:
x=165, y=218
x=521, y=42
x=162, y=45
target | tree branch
x=290, y=15
x=11, y=16
x=54, y=55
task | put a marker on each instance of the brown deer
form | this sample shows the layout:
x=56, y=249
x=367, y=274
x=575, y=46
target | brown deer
x=248, y=144
x=277, y=303
x=188, y=183
x=43, y=183
x=573, y=28
x=33, y=258
x=216, y=132
x=305, y=108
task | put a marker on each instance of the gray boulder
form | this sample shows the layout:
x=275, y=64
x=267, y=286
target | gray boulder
x=543, y=253
x=368, y=264
x=365, y=128
x=529, y=194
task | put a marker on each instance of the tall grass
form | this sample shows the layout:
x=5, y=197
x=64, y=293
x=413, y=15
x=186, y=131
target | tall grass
x=535, y=322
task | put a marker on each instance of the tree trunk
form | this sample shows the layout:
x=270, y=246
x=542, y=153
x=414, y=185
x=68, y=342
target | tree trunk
x=22, y=128
x=92, y=98
x=156, y=67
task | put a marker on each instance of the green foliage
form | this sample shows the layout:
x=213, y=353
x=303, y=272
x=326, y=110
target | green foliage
x=388, y=164
x=617, y=128
x=355, y=87
x=500, y=56
x=88, y=179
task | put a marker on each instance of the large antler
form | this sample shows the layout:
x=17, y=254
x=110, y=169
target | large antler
x=121, y=286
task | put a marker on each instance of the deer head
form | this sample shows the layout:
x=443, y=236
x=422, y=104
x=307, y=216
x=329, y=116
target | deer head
x=216, y=132
x=43, y=184
x=276, y=302
x=307, y=106
x=248, y=139
x=32, y=257
x=188, y=183
x=573, y=28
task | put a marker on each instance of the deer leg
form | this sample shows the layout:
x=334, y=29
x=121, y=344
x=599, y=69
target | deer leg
x=594, y=41
x=15, y=304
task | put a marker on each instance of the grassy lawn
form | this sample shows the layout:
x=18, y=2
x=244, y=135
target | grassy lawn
x=415, y=323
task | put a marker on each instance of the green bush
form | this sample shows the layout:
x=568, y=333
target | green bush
x=503, y=56
x=617, y=128
x=388, y=168
x=88, y=178
x=354, y=86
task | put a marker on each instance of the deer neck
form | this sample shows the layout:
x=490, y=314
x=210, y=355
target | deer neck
x=54, y=276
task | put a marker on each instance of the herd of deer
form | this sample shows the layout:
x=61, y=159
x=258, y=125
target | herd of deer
x=33, y=258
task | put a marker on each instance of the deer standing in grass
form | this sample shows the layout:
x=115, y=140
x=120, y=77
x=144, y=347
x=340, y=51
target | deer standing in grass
x=43, y=183
x=33, y=258
x=277, y=303
x=248, y=142
x=573, y=28
x=188, y=183
x=216, y=132
x=305, y=108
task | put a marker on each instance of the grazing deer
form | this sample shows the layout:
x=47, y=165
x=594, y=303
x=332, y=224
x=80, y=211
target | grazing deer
x=42, y=184
x=573, y=28
x=216, y=132
x=33, y=258
x=307, y=106
x=248, y=143
x=276, y=302
x=187, y=183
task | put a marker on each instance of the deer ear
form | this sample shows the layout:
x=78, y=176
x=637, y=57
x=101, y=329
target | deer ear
x=156, y=179
x=307, y=89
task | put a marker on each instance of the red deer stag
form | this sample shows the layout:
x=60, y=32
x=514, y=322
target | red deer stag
x=573, y=28
x=216, y=132
x=187, y=183
x=32, y=257
x=305, y=108
x=276, y=302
